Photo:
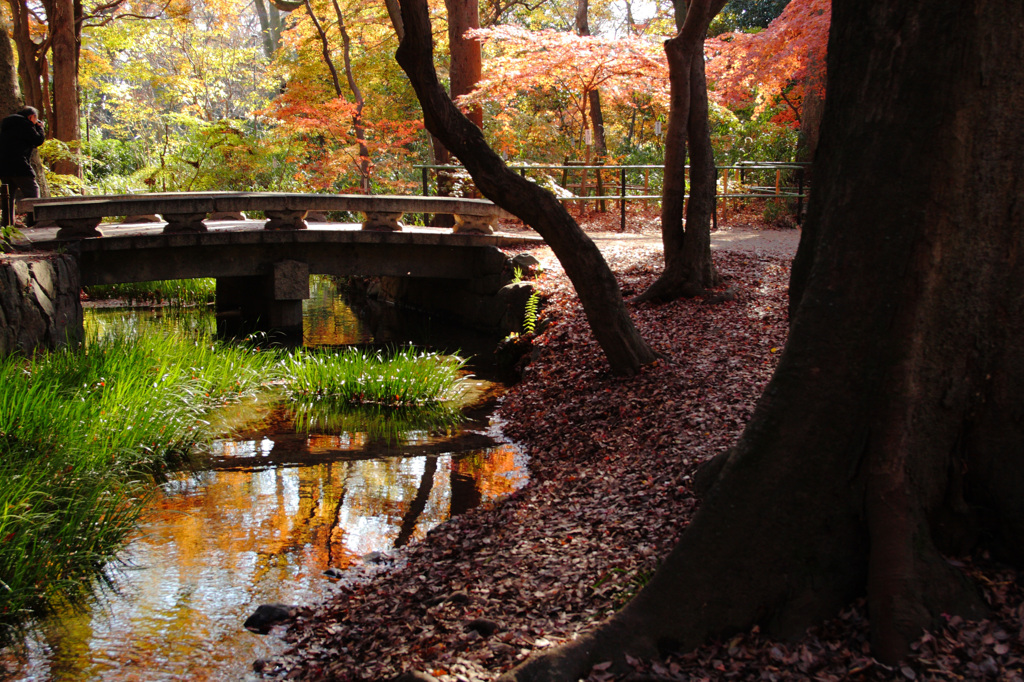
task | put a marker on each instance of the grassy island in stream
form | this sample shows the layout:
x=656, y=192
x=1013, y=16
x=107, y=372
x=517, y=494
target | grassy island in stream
x=85, y=434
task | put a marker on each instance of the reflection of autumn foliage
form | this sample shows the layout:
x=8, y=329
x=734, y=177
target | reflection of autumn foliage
x=495, y=471
x=217, y=544
x=327, y=319
x=775, y=66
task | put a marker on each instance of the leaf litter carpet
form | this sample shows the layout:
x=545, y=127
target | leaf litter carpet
x=610, y=462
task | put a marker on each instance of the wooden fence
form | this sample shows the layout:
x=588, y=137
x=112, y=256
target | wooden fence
x=603, y=183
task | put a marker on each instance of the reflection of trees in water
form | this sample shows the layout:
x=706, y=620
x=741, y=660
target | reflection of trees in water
x=221, y=542
x=108, y=323
x=327, y=318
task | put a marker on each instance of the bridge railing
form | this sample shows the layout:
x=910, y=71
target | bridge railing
x=783, y=182
x=79, y=217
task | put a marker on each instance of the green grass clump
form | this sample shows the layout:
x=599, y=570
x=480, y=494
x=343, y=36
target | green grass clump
x=175, y=292
x=359, y=377
x=82, y=432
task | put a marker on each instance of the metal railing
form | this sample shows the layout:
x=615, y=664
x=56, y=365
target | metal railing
x=778, y=181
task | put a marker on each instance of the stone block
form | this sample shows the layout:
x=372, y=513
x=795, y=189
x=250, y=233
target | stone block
x=290, y=281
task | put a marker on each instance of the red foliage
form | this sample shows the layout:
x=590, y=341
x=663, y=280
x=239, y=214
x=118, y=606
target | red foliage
x=776, y=66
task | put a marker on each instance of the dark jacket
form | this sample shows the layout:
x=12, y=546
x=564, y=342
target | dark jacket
x=18, y=137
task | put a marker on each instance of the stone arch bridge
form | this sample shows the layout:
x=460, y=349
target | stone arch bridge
x=262, y=272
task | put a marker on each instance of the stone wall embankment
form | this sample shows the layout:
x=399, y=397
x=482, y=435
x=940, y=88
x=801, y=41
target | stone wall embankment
x=39, y=302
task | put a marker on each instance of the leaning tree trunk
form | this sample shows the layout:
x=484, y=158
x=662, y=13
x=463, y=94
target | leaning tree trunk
x=596, y=286
x=688, y=267
x=891, y=429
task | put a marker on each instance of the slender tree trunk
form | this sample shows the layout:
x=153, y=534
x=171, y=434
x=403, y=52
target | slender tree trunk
x=363, y=162
x=596, y=115
x=270, y=27
x=598, y=291
x=688, y=269
x=890, y=431
x=357, y=95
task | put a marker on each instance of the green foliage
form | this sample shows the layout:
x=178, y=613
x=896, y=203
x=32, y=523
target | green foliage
x=175, y=292
x=530, y=313
x=740, y=137
x=746, y=15
x=54, y=151
x=390, y=425
x=8, y=235
x=79, y=430
x=359, y=377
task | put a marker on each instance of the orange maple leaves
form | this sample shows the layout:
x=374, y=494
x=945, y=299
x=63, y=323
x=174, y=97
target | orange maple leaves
x=776, y=66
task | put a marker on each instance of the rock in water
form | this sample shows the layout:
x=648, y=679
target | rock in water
x=267, y=616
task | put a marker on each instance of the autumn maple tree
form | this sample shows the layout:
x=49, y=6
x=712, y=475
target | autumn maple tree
x=349, y=130
x=781, y=68
x=889, y=436
x=551, y=64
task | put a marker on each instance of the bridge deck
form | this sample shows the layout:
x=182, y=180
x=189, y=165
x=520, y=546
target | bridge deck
x=142, y=252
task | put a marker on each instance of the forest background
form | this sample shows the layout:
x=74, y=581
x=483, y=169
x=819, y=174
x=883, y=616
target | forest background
x=192, y=95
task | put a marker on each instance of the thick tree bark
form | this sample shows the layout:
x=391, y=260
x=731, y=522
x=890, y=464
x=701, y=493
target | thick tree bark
x=891, y=430
x=688, y=267
x=10, y=98
x=596, y=286
x=31, y=59
x=64, y=34
x=466, y=62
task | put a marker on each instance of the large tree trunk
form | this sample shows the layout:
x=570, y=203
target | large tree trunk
x=64, y=37
x=465, y=67
x=688, y=267
x=31, y=59
x=598, y=291
x=891, y=430
x=466, y=62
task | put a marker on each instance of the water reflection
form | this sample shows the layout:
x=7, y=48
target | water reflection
x=220, y=543
x=277, y=506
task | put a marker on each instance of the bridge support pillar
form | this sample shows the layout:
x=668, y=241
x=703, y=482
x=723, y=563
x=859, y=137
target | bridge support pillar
x=269, y=302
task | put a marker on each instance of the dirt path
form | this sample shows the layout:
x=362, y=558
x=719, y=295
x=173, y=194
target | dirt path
x=767, y=242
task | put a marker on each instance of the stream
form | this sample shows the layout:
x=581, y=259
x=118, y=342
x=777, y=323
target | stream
x=271, y=511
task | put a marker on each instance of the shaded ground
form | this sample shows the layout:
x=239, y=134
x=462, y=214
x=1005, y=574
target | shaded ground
x=611, y=462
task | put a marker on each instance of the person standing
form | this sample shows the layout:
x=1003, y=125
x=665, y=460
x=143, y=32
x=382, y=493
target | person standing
x=20, y=133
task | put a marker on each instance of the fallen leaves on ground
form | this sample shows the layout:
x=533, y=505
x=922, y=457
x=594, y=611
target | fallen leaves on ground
x=611, y=461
